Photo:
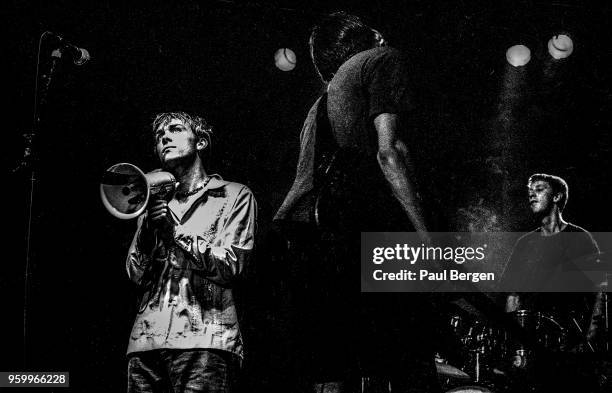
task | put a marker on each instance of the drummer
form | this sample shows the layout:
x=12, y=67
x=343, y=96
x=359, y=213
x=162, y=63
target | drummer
x=544, y=260
x=540, y=257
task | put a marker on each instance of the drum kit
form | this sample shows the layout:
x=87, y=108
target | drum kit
x=490, y=354
x=491, y=357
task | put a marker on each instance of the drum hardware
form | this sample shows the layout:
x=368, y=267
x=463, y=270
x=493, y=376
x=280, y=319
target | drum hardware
x=477, y=366
x=539, y=331
x=604, y=302
x=368, y=385
x=482, y=343
x=581, y=332
x=469, y=389
x=492, y=352
x=606, y=321
x=599, y=262
x=499, y=358
x=448, y=371
x=521, y=358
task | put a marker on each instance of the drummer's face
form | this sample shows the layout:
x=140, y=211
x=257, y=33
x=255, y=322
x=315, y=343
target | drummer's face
x=540, y=196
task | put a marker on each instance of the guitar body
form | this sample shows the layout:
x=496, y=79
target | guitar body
x=352, y=196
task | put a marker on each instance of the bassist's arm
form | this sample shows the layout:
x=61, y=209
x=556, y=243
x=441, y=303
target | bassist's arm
x=393, y=159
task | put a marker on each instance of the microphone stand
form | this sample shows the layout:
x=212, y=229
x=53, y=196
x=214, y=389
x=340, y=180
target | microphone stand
x=28, y=163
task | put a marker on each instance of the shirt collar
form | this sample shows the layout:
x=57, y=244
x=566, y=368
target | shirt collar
x=182, y=211
x=216, y=181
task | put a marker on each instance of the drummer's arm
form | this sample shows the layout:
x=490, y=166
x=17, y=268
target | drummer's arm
x=596, y=317
x=512, y=276
x=595, y=327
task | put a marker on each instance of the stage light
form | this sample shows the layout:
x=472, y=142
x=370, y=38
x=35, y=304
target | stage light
x=560, y=46
x=285, y=59
x=518, y=55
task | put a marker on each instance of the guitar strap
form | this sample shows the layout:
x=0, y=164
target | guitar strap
x=326, y=146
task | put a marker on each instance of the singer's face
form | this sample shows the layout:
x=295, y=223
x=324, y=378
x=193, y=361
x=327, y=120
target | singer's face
x=175, y=141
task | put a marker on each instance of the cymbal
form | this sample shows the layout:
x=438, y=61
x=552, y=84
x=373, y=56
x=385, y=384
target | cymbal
x=450, y=371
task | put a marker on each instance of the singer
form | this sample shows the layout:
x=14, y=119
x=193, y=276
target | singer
x=185, y=258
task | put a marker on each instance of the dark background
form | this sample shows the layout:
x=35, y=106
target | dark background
x=482, y=128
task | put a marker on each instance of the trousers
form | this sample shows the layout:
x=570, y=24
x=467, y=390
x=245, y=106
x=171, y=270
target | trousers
x=182, y=371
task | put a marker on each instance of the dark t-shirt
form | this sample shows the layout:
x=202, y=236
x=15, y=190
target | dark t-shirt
x=372, y=82
x=369, y=83
x=540, y=264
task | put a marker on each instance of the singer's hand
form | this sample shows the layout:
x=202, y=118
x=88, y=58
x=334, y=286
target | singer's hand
x=157, y=212
x=158, y=217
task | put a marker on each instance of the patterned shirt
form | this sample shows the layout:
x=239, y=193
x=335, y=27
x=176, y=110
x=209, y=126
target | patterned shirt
x=186, y=279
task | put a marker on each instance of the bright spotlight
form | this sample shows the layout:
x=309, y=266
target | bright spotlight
x=285, y=59
x=560, y=46
x=518, y=55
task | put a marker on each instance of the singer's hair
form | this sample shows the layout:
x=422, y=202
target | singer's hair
x=200, y=127
x=336, y=38
x=557, y=184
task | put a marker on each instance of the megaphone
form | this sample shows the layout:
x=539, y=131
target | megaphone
x=125, y=189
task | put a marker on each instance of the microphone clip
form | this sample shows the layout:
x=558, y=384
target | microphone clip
x=80, y=56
